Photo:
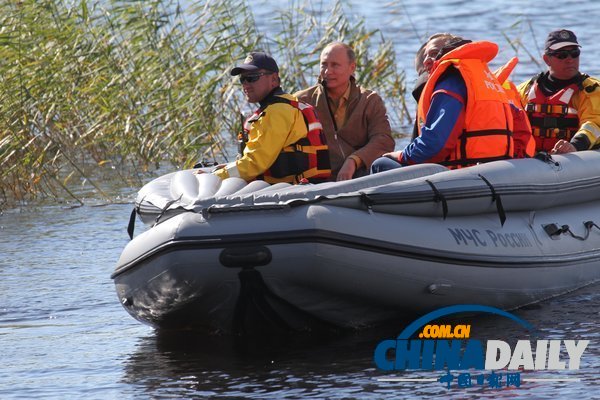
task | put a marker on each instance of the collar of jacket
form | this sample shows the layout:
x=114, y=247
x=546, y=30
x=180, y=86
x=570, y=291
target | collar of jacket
x=354, y=92
x=269, y=98
x=419, y=85
x=551, y=85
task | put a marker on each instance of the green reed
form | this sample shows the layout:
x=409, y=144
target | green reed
x=97, y=91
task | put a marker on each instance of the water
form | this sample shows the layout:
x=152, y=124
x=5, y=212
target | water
x=524, y=23
x=63, y=333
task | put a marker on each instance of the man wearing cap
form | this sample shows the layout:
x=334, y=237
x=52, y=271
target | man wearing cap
x=563, y=104
x=283, y=140
x=354, y=118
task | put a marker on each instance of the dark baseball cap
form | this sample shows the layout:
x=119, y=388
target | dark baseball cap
x=452, y=44
x=559, y=39
x=255, y=61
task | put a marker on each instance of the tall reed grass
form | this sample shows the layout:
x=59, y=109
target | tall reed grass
x=98, y=91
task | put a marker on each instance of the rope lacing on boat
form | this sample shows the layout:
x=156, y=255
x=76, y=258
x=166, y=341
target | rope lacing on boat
x=496, y=198
x=439, y=197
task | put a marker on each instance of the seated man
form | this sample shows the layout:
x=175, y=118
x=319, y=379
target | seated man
x=283, y=140
x=354, y=118
x=424, y=63
x=563, y=104
x=464, y=113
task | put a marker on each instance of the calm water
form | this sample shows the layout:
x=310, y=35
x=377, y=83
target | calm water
x=63, y=333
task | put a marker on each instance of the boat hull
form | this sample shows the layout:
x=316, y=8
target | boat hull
x=316, y=266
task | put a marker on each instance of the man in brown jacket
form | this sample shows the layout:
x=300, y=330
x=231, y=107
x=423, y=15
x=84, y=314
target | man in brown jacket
x=354, y=119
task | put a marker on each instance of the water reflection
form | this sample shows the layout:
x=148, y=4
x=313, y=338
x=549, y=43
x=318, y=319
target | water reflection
x=283, y=366
x=341, y=365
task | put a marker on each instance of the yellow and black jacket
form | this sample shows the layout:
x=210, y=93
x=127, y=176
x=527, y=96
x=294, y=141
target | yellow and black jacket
x=283, y=142
x=572, y=113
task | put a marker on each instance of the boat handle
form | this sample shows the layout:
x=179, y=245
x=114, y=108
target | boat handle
x=246, y=256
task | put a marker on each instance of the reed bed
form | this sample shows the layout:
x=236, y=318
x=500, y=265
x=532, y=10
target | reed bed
x=98, y=92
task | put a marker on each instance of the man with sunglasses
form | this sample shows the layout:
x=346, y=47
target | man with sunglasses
x=354, y=118
x=283, y=140
x=563, y=104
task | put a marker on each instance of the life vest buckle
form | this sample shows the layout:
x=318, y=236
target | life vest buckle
x=550, y=122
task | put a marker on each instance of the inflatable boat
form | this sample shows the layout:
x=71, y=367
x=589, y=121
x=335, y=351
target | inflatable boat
x=230, y=257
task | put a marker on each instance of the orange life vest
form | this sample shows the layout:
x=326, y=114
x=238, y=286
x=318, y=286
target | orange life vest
x=488, y=126
x=307, y=159
x=551, y=117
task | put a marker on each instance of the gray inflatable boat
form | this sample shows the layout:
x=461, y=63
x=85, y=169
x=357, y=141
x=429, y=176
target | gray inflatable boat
x=227, y=257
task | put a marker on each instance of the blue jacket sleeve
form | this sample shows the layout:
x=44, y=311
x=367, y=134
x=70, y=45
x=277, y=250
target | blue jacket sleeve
x=441, y=119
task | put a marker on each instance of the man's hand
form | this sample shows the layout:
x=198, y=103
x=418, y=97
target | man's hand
x=562, y=147
x=347, y=171
x=394, y=155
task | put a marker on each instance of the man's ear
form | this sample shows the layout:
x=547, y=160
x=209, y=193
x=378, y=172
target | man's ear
x=275, y=79
x=546, y=59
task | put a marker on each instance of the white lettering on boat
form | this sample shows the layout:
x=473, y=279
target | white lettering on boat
x=473, y=237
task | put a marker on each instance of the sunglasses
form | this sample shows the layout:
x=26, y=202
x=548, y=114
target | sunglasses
x=562, y=54
x=251, y=78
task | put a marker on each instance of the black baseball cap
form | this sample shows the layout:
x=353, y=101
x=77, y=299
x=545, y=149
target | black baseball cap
x=559, y=39
x=255, y=61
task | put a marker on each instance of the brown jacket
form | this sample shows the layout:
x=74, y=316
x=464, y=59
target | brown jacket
x=366, y=131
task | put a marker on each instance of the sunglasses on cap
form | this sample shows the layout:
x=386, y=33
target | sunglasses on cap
x=251, y=78
x=562, y=54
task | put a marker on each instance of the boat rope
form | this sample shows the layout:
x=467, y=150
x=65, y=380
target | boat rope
x=497, y=199
x=555, y=230
x=227, y=208
x=588, y=228
x=547, y=158
x=131, y=224
x=367, y=201
x=136, y=210
x=439, y=197
x=208, y=164
x=165, y=209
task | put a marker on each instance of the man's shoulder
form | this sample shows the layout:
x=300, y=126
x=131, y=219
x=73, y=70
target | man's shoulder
x=525, y=85
x=282, y=100
x=282, y=108
x=367, y=92
x=591, y=79
x=308, y=92
x=451, y=73
x=286, y=96
x=591, y=84
x=452, y=80
x=358, y=92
